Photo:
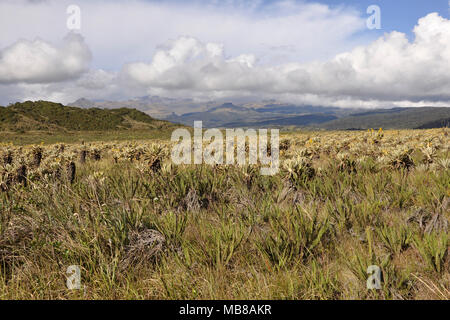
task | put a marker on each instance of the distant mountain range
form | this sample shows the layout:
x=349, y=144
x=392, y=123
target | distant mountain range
x=278, y=114
x=155, y=106
x=396, y=118
x=230, y=115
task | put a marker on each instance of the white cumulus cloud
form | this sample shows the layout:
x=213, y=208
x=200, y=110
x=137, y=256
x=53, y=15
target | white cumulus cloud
x=41, y=62
x=389, y=69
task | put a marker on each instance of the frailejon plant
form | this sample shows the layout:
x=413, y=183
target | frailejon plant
x=433, y=248
x=295, y=236
x=299, y=170
x=396, y=239
x=221, y=243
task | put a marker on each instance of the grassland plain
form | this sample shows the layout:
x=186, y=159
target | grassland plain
x=140, y=227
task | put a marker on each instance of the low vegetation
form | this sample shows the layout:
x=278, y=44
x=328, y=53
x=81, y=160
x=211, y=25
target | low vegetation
x=140, y=227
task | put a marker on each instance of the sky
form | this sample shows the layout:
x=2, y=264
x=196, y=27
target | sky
x=324, y=52
x=399, y=15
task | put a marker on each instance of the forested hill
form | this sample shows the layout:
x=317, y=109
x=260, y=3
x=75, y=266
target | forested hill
x=44, y=115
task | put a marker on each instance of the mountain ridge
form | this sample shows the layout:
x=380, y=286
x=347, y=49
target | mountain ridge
x=45, y=115
x=276, y=113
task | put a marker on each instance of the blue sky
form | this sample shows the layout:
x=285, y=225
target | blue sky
x=399, y=15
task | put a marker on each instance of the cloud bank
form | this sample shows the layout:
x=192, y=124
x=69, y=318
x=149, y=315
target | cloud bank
x=389, y=69
x=122, y=31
